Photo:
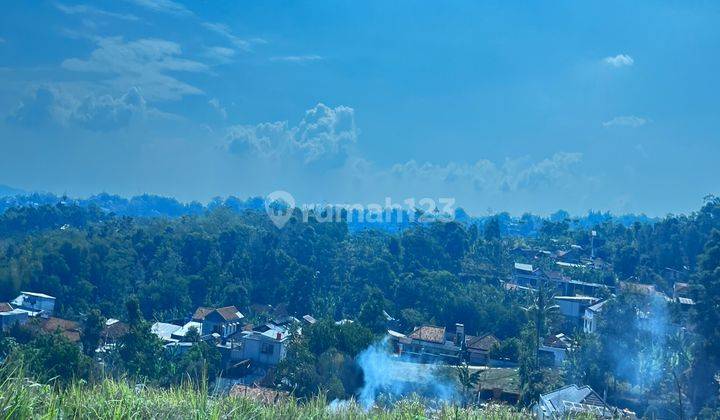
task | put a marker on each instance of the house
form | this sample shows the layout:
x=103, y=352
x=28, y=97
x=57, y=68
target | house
x=11, y=317
x=553, y=350
x=572, y=309
x=183, y=331
x=224, y=321
x=34, y=303
x=51, y=325
x=429, y=344
x=200, y=313
x=571, y=401
x=477, y=348
x=265, y=345
x=590, y=318
x=164, y=331
x=526, y=275
x=112, y=331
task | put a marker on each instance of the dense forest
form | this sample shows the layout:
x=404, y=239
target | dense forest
x=103, y=265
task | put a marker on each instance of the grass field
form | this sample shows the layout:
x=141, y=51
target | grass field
x=111, y=399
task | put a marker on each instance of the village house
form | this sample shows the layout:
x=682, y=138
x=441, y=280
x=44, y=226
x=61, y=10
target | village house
x=51, y=325
x=22, y=308
x=266, y=345
x=34, y=303
x=224, y=321
x=572, y=309
x=478, y=348
x=591, y=316
x=571, y=401
x=435, y=344
x=112, y=332
x=525, y=276
x=428, y=344
x=10, y=316
x=553, y=350
x=164, y=331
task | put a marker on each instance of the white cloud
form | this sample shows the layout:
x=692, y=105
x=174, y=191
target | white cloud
x=620, y=60
x=323, y=137
x=297, y=58
x=215, y=103
x=163, y=6
x=225, y=31
x=84, y=9
x=221, y=54
x=40, y=109
x=625, y=121
x=96, y=112
x=105, y=112
x=144, y=64
x=486, y=176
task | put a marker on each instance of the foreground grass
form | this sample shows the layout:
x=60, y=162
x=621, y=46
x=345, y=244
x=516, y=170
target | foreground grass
x=111, y=399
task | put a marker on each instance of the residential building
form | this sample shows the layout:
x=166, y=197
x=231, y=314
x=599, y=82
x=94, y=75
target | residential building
x=51, y=325
x=164, y=331
x=112, y=331
x=224, y=321
x=571, y=401
x=12, y=317
x=590, y=318
x=572, y=309
x=526, y=275
x=264, y=345
x=553, y=350
x=478, y=348
x=436, y=344
x=35, y=303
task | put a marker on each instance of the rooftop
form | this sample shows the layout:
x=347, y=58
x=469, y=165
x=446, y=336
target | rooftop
x=576, y=399
x=482, y=343
x=429, y=333
x=524, y=267
x=230, y=313
x=201, y=313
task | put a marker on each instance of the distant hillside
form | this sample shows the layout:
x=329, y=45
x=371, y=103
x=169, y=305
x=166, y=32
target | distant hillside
x=147, y=205
x=6, y=191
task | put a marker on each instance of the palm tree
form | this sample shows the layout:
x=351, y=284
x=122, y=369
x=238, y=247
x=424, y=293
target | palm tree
x=679, y=362
x=468, y=381
x=540, y=310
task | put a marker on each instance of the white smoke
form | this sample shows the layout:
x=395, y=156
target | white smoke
x=389, y=378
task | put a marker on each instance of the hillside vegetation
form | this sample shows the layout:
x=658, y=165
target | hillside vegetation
x=111, y=399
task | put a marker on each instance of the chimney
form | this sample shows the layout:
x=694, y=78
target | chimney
x=459, y=335
x=278, y=336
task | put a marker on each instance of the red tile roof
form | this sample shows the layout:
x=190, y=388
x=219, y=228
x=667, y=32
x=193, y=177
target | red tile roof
x=5, y=307
x=115, y=330
x=68, y=329
x=229, y=313
x=201, y=313
x=429, y=333
x=481, y=343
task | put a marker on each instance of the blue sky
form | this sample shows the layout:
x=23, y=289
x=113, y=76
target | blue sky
x=527, y=107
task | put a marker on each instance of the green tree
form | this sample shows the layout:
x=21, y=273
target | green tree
x=91, y=331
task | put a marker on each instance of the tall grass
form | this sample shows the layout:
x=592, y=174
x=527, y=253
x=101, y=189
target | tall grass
x=21, y=398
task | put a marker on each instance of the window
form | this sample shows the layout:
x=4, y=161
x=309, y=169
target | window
x=267, y=348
